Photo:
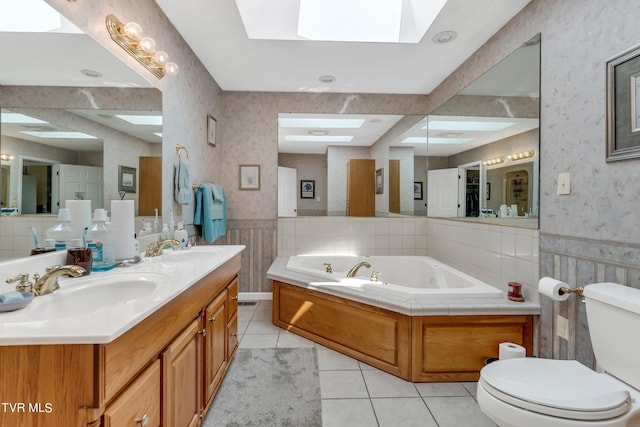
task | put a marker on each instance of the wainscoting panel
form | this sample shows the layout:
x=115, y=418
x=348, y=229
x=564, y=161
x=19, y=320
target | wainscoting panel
x=259, y=237
x=579, y=262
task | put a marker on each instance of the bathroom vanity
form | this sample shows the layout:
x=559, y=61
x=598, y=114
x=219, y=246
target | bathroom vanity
x=155, y=357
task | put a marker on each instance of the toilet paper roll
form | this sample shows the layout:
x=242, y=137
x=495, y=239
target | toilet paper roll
x=551, y=287
x=122, y=223
x=509, y=350
x=80, y=211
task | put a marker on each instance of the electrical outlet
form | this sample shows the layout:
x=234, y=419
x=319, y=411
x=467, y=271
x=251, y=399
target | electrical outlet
x=562, y=327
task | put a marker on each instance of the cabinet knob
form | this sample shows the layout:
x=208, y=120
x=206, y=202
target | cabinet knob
x=203, y=332
x=143, y=421
x=212, y=319
x=235, y=298
x=235, y=334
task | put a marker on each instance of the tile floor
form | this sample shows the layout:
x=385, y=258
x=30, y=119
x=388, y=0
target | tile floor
x=355, y=394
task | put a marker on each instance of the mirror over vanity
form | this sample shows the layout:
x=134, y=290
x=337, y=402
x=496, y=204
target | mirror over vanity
x=474, y=158
x=65, y=129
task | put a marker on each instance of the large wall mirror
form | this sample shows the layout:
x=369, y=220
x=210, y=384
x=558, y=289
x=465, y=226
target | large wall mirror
x=67, y=126
x=474, y=158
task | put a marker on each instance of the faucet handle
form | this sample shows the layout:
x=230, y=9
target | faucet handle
x=374, y=276
x=25, y=285
x=328, y=265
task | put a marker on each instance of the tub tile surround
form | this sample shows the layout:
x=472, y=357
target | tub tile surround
x=495, y=254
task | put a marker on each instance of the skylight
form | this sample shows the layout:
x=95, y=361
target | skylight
x=433, y=140
x=378, y=21
x=33, y=16
x=467, y=125
x=17, y=118
x=141, y=120
x=293, y=122
x=319, y=138
x=59, y=135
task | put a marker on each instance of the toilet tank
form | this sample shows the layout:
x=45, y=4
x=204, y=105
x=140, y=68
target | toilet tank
x=613, y=315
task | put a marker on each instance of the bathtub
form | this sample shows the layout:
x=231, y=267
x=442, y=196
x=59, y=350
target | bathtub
x=400, y=276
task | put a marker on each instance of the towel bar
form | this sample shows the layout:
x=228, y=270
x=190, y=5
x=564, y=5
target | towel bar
x=194, y=186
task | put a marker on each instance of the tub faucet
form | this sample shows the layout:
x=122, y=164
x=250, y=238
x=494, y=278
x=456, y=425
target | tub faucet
x=355, y=268
x=49, y=281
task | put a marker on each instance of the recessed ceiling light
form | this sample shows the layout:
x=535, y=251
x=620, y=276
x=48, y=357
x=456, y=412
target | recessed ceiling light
x=91, y=73
x=444, y=37
x=105, y=116
x=327, y=79
x=19, y=118
x=318, y=132
x=59, y=135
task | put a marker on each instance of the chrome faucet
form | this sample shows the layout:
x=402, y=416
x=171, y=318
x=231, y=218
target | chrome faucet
x=155, y=248
x=355, y=268
x=49, y=281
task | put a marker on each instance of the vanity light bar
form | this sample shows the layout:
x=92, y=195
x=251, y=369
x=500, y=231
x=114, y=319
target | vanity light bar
x=6, y=157
x=494, y=161
x=522, y=155
x=129, y=37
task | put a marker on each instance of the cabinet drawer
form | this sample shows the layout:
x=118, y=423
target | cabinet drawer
x=232, y=296
x=139, y=404
x=232, y=331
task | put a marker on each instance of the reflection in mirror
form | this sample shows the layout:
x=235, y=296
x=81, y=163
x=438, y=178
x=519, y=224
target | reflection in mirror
x=492, y=124
x=65, y=96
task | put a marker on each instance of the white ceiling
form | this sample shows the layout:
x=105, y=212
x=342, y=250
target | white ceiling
x=215, y=32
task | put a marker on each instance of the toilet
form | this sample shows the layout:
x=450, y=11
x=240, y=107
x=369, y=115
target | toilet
x=533, y=392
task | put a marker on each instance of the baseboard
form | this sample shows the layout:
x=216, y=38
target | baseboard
x=254, y=296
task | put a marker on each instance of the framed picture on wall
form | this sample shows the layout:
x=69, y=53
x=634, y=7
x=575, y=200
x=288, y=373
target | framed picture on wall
x=379, y=181
x=623, y=105
x=307, y=189
x=249, y=177
x=126, y=179
x=417, y=190
x=211, y=130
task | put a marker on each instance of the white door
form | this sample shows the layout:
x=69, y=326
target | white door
x=81, y=182
x=442, y=192
x=287, y=192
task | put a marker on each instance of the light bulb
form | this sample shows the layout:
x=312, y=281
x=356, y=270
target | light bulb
x=161, y=57
x=133, y=30
x=147, y=44
x=171, y=68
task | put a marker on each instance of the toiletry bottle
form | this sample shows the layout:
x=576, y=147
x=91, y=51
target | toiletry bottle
x=181, y=235
x=100, y=241
x=165, y=232
x=61, y=232
x=156, y=223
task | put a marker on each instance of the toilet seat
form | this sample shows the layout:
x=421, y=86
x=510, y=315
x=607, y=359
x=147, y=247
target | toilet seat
x=558, y=388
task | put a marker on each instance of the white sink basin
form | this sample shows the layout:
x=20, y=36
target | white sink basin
x=91, y=294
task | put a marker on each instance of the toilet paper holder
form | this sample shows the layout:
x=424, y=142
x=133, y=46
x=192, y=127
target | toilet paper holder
x=579, y=290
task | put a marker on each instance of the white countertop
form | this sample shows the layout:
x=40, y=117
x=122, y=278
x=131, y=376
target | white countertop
x=100, y=307
x=418, y=306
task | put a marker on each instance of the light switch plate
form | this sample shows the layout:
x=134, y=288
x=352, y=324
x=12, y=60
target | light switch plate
x=564, y=183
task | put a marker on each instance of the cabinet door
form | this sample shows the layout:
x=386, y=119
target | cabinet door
x=139, y=404
x=232, y=295
x=182, y=378
x=215, y=348
x=232, y=328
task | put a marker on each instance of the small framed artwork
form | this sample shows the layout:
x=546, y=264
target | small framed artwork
x=211, y=130
x=623, y=106
x=249, y=177
x=126, y=179
x=417, y=190
x=307, y=189
x=380, y=181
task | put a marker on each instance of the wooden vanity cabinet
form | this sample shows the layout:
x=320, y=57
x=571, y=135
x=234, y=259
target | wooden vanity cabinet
x=155, y=374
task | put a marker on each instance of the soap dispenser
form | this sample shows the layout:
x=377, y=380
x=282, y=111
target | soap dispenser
x=181, y=235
